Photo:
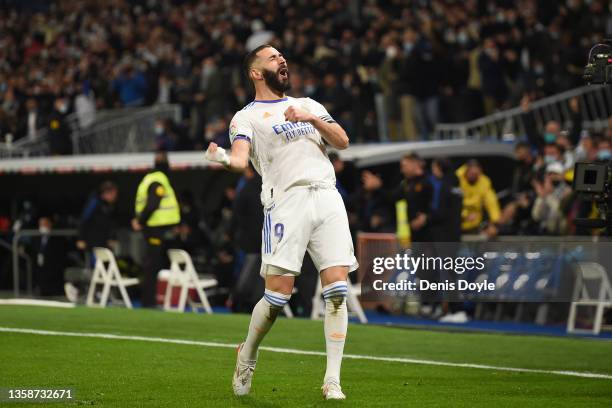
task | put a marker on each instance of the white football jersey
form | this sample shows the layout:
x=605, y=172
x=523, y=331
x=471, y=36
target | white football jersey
x=284, y=153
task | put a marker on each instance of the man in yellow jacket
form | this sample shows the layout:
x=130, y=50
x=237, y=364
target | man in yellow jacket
x=478, y=196
x=157, y=211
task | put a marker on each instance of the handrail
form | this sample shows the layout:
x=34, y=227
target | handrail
x=594, y=110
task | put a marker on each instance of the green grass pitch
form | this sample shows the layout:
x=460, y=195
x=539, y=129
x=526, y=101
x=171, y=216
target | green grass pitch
x=116, y=373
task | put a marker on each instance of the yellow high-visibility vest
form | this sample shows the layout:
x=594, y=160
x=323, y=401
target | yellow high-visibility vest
x=403, y=225
x=168, y=212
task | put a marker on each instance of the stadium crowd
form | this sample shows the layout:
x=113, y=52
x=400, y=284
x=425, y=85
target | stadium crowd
x=385, y=70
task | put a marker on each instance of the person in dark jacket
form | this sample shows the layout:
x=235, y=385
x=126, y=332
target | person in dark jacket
x=446, y=203
x=445, y=226
x=97, y=227
x=246, y=226
x=410, y=201
x=416, y=190
x=50, y=259
x=59, y=130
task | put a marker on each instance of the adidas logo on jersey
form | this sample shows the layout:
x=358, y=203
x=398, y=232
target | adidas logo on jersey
x=266, y=115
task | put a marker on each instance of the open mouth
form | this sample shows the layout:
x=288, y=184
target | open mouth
x=283, y=73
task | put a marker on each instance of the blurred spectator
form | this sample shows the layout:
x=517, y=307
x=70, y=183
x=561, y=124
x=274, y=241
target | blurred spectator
x=97, y=226
x=416, y=189
x=246, y=225
x=516, y=214
x=411, y=199
x=32, y=121
x=478, y=196
x=60, y=142
x=85, y=106
x=50, y=255
x=604, y=150
x=524, y=171
x=165, y=136
x=446, y=203
x=339, y=165
x=130, y=85
x=368, y=207
x=550, y=194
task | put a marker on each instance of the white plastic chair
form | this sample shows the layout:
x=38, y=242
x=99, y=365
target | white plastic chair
x=184, y=275
x=594, y=275
x=352, y=302
x=107, y=273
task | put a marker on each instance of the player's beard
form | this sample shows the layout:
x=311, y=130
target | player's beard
x=275, y=83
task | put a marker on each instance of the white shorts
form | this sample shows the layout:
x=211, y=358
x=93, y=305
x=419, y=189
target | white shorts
x=306, y=218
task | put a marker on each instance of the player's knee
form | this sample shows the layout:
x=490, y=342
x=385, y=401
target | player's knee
x=335, y=294
x=276, y=300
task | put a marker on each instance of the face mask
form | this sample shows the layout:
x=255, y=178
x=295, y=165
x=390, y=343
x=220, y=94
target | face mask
x=391, y=52
x=159, y=130
x=550, y=137
x=549, y=159
x=462, y=38
x=539, y=70
x=604, y=155
x=44, y=230
x=63, y=108
x=408, y=46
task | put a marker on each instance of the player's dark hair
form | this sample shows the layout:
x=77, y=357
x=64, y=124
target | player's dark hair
x=250, y=57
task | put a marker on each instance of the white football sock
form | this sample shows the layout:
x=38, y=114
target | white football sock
x=336, y=322
x=264, y=315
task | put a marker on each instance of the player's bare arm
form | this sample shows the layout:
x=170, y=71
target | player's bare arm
x=237, y=160
x=331, y=132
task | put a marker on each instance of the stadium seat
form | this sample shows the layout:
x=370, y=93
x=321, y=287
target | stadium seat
x=352, y=303
x=107, y=273
x=592, y=288
x=184, y=275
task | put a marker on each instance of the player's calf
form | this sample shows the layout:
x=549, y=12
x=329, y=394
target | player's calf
x=264, y=315
x=336, y=322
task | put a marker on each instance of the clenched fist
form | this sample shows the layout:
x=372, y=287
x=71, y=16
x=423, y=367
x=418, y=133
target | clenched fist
x=294, y=114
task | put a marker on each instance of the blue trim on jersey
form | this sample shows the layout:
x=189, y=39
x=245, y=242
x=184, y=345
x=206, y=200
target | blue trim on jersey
x=269, y=233
x=270, y=101
x=265, y=233
x=242, y=137
x=249, y=105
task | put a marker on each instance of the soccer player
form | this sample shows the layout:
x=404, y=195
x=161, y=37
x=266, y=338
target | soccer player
x=284, y=138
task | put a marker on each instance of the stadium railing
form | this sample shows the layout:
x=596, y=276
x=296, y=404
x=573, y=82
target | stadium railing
x=26, y=147
x=595, y=104
x=128, y=131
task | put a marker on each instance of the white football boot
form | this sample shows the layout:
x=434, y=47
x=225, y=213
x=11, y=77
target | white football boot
x=243, y=375
x=332, y=391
